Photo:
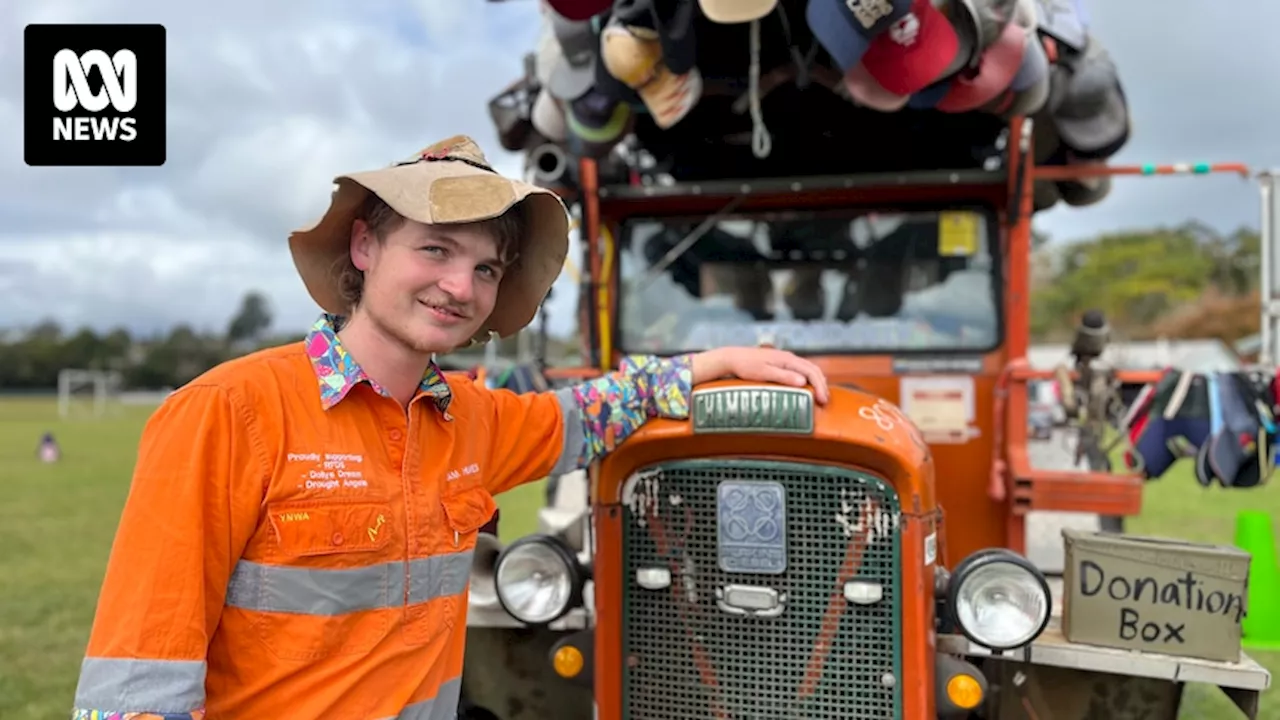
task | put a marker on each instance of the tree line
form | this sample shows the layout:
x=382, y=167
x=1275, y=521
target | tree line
x=1180, y=282
x=33, y=360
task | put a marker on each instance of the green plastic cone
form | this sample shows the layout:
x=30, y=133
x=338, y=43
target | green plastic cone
x=1261, y=626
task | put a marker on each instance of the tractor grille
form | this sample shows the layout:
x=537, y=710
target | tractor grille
x=688, y=650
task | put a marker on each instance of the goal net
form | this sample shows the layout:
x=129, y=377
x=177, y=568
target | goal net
x=87, y=393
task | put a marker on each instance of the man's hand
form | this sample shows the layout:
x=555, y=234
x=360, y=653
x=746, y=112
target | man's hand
x=760, y=365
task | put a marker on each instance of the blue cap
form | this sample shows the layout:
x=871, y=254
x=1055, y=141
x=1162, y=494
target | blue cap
x=845, y=28
x=928, y=98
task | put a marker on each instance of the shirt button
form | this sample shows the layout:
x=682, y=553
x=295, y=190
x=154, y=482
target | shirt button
x=337, y=538
x=395, y=435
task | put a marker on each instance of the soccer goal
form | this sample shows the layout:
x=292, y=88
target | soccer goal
x=87, y=392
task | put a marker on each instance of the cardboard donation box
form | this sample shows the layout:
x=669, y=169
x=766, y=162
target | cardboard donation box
x=1154, y=594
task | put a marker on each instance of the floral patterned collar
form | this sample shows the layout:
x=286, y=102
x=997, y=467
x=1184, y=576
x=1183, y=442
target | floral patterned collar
x=338, y=372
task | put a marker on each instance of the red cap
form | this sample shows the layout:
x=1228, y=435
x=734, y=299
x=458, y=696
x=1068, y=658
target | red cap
x=914, y=51
x=999, y=63
x=577, y=10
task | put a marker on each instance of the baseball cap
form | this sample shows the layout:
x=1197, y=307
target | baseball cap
x=597, y=122
x=867, y=92
x=991, y=16
x=573, y=71
x=736, y=11
x=1095, y=131
x=547, y=54
x=579, y=9
x=1035, y=61
x=1086, y=191
x=634, y=55
x=845, y=28
x=997, y=68
x=928, y=98
x=1092, y=117
x=547, y=116
x=672, y=20
x=914, y=51
x=1065, y=21
x=1020, y=102
x=1034, y=67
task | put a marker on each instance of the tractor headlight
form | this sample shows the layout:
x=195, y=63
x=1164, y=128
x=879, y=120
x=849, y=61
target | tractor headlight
x=538, y=579
x=999, y=599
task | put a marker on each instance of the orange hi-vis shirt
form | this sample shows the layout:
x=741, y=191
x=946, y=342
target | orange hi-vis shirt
x=296, y=545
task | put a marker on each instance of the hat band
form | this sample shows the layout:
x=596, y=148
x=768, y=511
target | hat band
x=432, y=157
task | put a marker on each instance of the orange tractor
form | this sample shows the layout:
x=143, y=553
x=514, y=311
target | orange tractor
x=769, y=558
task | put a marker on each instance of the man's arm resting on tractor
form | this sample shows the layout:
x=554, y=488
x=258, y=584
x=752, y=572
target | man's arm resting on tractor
x=192, y=506
x=615, y=405
x=536, y=435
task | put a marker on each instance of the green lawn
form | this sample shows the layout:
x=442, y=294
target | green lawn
x=58, y=521
x=1177, y=506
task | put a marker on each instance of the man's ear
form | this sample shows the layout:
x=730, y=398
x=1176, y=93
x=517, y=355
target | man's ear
x=362, y=242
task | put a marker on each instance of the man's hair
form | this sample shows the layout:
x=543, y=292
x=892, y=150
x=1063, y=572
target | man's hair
x=508, y=231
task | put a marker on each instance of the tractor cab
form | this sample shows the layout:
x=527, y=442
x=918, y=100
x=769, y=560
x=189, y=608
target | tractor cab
x=817, y=282
x=769, y=557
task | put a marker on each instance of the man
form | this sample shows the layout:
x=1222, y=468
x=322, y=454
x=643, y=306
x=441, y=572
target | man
x=297, y=539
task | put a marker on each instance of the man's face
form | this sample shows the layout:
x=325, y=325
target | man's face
x=427, y=287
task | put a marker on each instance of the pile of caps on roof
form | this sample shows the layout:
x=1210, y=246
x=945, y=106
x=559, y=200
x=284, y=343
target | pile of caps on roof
x=603, y=66
x=1222, y=422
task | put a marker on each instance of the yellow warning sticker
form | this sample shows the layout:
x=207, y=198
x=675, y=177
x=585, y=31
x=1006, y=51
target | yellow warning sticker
x=957, y=234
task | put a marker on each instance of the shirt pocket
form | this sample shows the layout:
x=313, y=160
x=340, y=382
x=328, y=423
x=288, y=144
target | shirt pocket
x=446, y=576
x=329, y=586
x=467, y=508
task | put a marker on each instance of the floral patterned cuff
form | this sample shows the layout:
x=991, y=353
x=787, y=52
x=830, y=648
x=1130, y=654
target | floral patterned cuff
x=615, y=405
x=87, y=714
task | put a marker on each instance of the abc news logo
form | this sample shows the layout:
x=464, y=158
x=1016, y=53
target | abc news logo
x=107, y=105
x=71, y=91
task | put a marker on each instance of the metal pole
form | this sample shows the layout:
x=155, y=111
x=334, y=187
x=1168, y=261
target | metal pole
x=1267, y=350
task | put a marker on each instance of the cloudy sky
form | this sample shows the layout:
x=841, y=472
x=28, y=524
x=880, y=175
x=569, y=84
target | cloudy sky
x=269, y=100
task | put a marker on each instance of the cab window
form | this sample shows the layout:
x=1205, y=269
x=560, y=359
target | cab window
x=812, y=283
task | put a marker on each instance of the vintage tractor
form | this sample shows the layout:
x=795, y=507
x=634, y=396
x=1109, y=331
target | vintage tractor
x=772, y=558
x=769, y=558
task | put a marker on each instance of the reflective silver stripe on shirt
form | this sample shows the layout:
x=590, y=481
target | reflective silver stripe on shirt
x=444, y=706
x=131, y=685
x=575, y=437
x=312, y=591
x=177, y=686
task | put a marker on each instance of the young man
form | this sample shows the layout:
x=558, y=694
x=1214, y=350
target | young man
x=297, y=538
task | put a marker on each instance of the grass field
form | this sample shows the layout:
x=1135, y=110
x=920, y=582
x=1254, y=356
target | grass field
x=57, y=521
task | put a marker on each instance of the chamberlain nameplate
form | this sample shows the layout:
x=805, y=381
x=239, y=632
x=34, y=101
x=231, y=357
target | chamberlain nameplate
x=753, y=409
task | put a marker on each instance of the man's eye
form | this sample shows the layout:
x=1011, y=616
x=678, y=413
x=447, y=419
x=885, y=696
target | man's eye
x=487, y=270
x=433, y=250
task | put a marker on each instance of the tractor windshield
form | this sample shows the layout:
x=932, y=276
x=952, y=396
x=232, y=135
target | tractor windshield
x=812, y=283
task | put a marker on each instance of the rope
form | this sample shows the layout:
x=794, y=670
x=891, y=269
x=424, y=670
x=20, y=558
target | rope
x=761, y=141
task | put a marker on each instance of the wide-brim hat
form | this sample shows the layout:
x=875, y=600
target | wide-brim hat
x=448, y=183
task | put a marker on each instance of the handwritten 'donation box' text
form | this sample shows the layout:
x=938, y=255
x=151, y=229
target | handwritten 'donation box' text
x=1154, y=594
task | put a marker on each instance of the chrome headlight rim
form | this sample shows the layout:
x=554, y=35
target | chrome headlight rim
x=985, y=558
x=564, y=555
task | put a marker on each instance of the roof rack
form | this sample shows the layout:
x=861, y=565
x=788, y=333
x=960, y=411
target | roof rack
x=766, y=186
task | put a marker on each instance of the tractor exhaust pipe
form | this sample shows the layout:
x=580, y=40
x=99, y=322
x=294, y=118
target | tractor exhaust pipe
x=548, y=164
x=484, y=586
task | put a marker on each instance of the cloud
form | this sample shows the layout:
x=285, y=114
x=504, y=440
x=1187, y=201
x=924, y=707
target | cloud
x=1199, y=101
x=269, y=100
x=199, y=282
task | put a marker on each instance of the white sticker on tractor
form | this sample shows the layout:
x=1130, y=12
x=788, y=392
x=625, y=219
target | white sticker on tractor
x=930, y=549
x=640, y=495
x=941, y=407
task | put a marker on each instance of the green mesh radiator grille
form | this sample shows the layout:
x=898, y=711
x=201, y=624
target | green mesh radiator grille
x=758, y=554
